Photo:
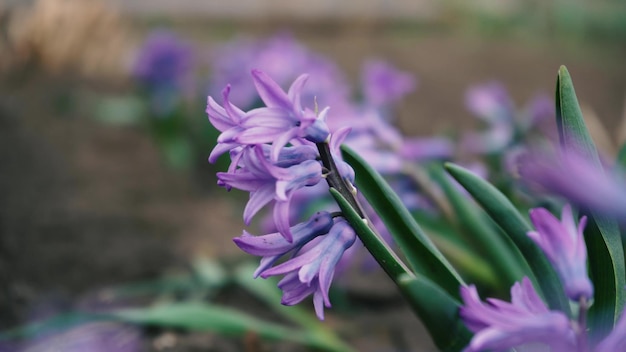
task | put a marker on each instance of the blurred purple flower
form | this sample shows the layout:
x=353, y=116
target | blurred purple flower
x=490, y=102
x=164, y=61
x=427, y=148
x=506, y=127
x=312, y=271
x=499, y=325
x=282, y=58
x=92, y=337
x=579, y=180
x=383, y=84
x=564, y=245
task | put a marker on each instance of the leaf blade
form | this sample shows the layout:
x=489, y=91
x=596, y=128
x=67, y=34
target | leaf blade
x=419, y=250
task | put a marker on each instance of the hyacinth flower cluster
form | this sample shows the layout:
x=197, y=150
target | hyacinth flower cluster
x=567, y=272
x=276, y=151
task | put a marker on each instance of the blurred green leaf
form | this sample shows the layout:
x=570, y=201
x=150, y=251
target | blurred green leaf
x=469, y=263
x=192, y=316
x=420, y=252
x=267, y=291
x=438, y=311
x=504, y=213
x=178, y=152
x=495, y=247
x=209, y=272
x=223, y=320
x=123, y=111
x=604, y=245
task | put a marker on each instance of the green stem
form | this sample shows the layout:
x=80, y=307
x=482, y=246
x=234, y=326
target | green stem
x=345, y=195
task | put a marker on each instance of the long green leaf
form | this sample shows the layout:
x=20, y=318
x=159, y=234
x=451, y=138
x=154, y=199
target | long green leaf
x=421, y=253
x=495, y=247
x=438, y=311
x=605, y=251
x=513, y=224
x=194, y=316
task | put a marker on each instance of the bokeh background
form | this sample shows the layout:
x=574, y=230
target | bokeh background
x=92, y=199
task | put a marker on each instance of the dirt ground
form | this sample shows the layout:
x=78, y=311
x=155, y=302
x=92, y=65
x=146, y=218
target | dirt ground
x=85, y=205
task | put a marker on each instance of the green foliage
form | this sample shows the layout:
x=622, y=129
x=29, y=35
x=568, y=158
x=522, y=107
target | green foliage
x=604, y=245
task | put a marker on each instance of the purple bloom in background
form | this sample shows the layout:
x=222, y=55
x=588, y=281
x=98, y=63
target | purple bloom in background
x=312, y=271
x=383, y=84
x=564, y=245
x=506, y=127
x=489, y=102
x=576, y=178
x=282, y=58
x=164, y=61
x=427, y=148
x=499, y=325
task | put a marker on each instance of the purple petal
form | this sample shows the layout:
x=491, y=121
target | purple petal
x=269, y=91
x=258, y=199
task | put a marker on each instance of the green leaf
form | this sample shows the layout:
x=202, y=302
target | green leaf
x=192, y=316
x=497, y=248
x=205, y=317
x=604, y=245
x=438, y=311
x=267, y=291
x=504, y=213
x=420, y=252
x=471, y=265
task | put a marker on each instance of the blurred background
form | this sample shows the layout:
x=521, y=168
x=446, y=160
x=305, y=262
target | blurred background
x=107, y=200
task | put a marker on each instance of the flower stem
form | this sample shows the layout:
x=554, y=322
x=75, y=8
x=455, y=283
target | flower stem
x=353, y=212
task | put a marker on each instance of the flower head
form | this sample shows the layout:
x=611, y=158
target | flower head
x=564, y=245
x=499, y=325
x=282, y=120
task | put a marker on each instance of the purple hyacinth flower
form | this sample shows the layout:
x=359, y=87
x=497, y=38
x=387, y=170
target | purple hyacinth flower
x=273, y=246
x=383, y=84
x=564, y=245
x=266, y=182
x=313, y=269
x=499, y=325
x=283, y=118
x=576, y=178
